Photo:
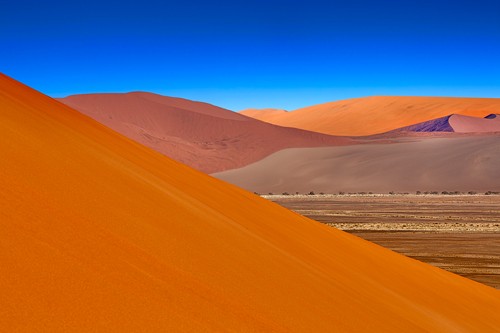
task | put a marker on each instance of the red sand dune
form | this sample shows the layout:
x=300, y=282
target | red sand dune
x=454, y=163
x=372, y=115
x=100, y=233
x=200, y=135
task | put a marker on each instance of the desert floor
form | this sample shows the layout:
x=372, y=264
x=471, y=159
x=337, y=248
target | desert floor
x=459, y=233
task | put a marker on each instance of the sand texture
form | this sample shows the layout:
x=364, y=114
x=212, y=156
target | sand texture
x=100, y=233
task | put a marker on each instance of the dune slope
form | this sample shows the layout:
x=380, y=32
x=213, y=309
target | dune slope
x=263, y=113
x=200, y=135
x=100, y=233
x=456, y=123
x=373, y=115
x=425, y=164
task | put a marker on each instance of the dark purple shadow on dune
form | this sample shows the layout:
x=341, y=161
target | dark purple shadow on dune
x=434, y=125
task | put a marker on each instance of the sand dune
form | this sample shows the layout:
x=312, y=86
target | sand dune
x=100, y=233
x=268, y=114
x=456, y=123
x=372, y=115
x=426, y=164
x=200, y=135
x=465, y=124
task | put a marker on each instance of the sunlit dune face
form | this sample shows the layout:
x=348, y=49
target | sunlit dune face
x=373, y=115
x=100, y=233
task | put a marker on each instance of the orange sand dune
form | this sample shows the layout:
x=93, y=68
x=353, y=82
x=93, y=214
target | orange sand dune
x=372, y=115
x=200, y=135
x=100, y=233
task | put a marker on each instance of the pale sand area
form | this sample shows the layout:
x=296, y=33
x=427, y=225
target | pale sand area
x=453, y=163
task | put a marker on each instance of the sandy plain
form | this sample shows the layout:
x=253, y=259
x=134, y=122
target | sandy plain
x=459, y=233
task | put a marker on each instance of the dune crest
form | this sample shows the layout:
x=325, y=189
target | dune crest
x=100, y=233
x=456, y=123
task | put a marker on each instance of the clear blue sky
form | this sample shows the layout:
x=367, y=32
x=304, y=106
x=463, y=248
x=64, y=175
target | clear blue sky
x=254, y=53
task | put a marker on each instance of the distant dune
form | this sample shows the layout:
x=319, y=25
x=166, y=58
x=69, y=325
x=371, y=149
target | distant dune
x=372, y=115
x=458, y=124
x=100, y=233
x=200, y=135
x=266, y=114
x=420, y=163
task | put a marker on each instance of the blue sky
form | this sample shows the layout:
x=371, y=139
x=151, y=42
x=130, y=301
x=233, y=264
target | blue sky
x=239, y=54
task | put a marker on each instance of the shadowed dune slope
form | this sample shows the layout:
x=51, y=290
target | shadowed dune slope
x=200, y=135
x=100, y=233
x=372, y=115
x=456, y=123
x=426, y=164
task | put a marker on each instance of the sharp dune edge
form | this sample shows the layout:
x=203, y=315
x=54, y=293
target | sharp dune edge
x=456, y=123
x=100, y=233
x=203, y=136
x=379, y=114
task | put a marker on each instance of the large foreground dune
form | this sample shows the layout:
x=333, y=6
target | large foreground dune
x=200, y=135
x=464, y=163
x=373, y=115
x=100, y=233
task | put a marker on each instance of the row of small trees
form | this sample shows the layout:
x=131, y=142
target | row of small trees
x=394, y=193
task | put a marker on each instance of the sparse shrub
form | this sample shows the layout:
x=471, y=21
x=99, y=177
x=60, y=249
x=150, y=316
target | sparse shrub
x=311, y=193
x=418, y=193
x=285, y=193
x=471, y=192
x=391, y=193
x=341, y=193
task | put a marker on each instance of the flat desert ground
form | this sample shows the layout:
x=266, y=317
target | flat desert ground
x=459, y=233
